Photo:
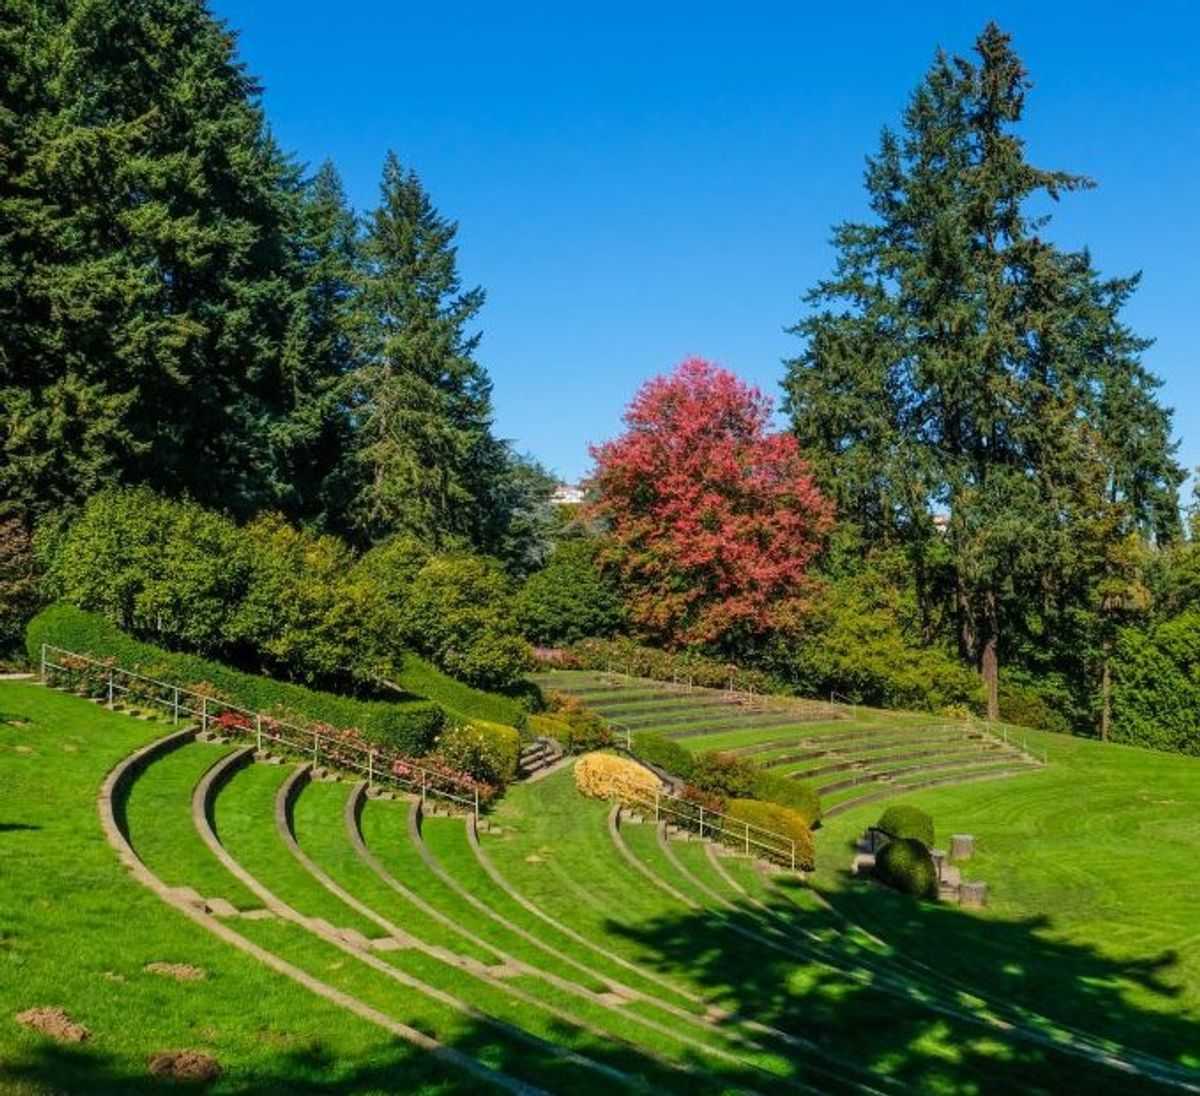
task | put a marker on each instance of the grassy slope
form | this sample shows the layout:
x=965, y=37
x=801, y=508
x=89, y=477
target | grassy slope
x=1093, y=891
x=76, y=931
x=461, y=701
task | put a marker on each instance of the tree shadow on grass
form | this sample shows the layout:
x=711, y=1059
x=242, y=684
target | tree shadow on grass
x=311, y=1070
x=13, y=827
x=908, y=1012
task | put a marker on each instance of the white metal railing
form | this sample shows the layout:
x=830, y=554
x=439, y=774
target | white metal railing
x=378, y=764
x=707, y=822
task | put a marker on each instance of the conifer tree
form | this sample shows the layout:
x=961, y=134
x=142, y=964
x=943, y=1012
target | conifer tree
x=313, y=437
x=143, y=259
x=423, y=403
x=958, y=364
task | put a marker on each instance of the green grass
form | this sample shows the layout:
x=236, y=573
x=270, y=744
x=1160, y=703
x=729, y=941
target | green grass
x=461, y=701
x=76, y=931
x=1091, y=867
x=1091, y=927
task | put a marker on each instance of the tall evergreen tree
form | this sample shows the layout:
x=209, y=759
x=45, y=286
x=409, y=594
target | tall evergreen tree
x=313, y=437
x=957, y=364
x=423, y=402
x=142, y=245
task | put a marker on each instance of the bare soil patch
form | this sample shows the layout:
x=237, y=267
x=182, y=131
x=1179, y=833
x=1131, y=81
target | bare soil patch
x=185, y=1065
x=54, y=1023
x=181, y=972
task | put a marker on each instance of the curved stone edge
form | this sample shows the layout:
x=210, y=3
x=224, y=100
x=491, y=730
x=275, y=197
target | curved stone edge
x=117, y=783
x=284, y=803
x=498, y=878
x=685, y=872
x=415, y=815
x=202, y=814
x=614, y=832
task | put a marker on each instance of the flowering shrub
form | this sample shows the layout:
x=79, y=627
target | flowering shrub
x=580, y=730
x=486, y=751
x=606, y=776
x=232, y=723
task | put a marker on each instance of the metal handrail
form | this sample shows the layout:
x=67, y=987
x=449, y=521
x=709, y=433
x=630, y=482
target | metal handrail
x=709, y=822
x=180, y=701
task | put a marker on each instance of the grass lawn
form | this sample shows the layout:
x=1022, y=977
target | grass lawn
x=1094, y=897
x=76, y=932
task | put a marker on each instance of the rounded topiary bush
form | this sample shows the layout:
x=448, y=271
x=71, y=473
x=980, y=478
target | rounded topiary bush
x=904, y=864
x=900, y=821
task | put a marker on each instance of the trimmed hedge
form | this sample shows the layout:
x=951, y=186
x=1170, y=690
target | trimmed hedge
x=462, y=702
x=903, y=822
x=793, y=794
x=629, y=657
x=665, y=753
x=409, y=726
x=905, y=865
x=771, y=816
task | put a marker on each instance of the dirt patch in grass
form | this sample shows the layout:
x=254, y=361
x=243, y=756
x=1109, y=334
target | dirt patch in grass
x=181, y=972
x=185, y=1065
x=55, y=1024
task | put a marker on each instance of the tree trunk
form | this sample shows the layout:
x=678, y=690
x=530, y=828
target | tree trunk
x=1105, y=698
x=989, y=656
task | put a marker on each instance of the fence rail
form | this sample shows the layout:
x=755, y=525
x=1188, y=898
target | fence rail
x=706, y=822
x=378, y=764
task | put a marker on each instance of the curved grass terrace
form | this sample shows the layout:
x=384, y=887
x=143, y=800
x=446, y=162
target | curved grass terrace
x=559, y=949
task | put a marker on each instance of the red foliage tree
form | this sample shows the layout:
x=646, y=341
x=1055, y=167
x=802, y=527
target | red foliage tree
x=711, y=518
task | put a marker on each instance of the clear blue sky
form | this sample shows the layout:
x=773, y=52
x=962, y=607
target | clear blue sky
x=639, y=182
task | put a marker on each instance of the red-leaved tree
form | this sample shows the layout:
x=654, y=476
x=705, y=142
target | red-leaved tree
x=711, y=518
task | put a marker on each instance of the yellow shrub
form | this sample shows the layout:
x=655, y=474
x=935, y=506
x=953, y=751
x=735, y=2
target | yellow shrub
x=606, y=776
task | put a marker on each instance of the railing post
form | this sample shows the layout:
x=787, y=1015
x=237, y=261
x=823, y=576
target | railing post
x=477, y=804
x=175, y=705
x=316, y=747
x=702, y=821
x=657, y=797
x=370, y=768
x=204, y=714
x=258, y=731
x=43, y=664
x=747, y=825
x=110, y=689
x=424, y=776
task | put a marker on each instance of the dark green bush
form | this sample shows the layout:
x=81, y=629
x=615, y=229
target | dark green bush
x=1024, y=706
x=781, y=820
x=576, y=728
x=570, y=598
x=794, y=794
x=725, y=775
x=665, y=753
x=904, y=864
x=907, y=823
x=409, y=727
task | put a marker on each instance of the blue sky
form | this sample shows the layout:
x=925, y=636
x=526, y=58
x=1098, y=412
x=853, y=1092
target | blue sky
x=636, y=183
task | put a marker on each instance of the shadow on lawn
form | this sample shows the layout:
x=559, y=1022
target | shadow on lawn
x=11, y=827
x=68, y=1069
x=836, y=992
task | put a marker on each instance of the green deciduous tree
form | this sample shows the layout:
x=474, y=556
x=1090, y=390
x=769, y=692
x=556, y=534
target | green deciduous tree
x=958, y=366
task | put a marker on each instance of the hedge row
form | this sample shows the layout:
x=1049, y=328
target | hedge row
x=410, y=727
x=625, y=656
x=771, y=816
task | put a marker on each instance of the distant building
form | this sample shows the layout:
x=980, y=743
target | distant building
x=567, y=494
